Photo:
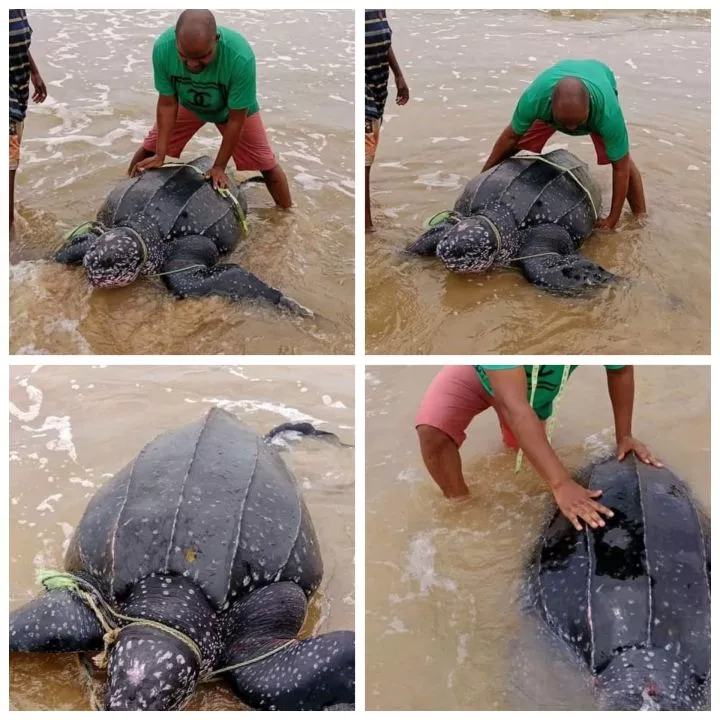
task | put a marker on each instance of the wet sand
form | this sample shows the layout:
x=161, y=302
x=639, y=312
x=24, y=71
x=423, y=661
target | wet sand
x=71, y=428
x=77, y=145
x=466, y=70
x=444, y=627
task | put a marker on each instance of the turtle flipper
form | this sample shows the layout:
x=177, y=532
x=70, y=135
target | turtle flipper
x=78, y=243
x=427, y=243
x=304, y=428
x=288, y=674
x=191, y=270
x=56, y=621
x=549, y=260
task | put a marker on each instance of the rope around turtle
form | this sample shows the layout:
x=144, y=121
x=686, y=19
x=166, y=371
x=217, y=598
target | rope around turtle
x=52, y=580
x=553, y=415
x=87, y=226
x=107, y=616
x=446, y=214
x=225, y=192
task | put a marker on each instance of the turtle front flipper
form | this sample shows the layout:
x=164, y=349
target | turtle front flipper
x=56, y=621
x=191, y=270
x=549, y=260
x=426, y=244
x=275, y=671
x=78, y=242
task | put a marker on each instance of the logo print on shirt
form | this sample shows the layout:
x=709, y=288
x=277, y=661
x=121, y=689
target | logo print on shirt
x=199, y=97
x=211, y=97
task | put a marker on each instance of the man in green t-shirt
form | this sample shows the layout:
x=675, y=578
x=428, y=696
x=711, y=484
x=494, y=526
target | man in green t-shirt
x=577, y=97
x=460, y=392
x=204, y=73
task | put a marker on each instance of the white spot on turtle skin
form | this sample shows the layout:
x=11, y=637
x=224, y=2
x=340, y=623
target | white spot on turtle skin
x=136, y=672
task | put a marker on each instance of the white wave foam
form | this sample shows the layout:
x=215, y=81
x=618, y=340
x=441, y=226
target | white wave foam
x=251, y=406
x=35, y=396
x=63, y=442
x=45, y=504
x=420, y=567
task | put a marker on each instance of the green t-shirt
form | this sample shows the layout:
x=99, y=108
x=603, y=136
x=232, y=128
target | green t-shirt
x=605, y=118
x=548, y=385
x=228, y=83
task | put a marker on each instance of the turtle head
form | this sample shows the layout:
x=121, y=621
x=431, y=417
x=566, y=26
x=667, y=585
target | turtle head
x=115, y=258
x=149, y=669
x=469, y=245
x=650, y=679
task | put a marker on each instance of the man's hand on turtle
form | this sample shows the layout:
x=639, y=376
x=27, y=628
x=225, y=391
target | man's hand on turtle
x=40, y=90
x=629, y=444
x=218, y=177
x=578, y=503
x=156, y=161
x=403, y=91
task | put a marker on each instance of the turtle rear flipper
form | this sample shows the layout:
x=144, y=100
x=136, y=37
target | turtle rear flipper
x=548, y=259
x=303, y=428
x=56, y=621
x=280, y=672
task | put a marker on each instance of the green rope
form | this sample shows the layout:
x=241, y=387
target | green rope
x=82, y=229
x=437, y=218
x=179, y=270
x=553, y=415
x=252, y=661
x=52, y=580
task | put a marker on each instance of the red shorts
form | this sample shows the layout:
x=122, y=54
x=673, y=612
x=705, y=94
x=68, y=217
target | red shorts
x=454, y=398
x=539, y=133
x=253, y=151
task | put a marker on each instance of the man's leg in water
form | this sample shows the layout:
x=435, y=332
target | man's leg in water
x=12, y=205
x=453, y=399
x=16, y=129
x=253, y=152
x=372, y=139
x=278, y=187
x=368, y=214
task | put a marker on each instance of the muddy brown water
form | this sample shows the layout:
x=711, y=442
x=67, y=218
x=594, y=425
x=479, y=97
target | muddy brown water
x=466, y=70
x=444, y=625
x=71, y=428
x=77, y=145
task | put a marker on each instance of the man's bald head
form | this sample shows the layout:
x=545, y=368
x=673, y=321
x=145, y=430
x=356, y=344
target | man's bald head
x=196, y=36
x=570, y=103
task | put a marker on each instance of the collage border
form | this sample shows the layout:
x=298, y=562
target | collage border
x=359, y=360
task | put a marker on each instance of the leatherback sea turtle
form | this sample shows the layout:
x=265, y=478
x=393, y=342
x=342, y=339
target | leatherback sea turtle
x=196, y=559
x=633, y=598
x=170, y=222
x=531, y=211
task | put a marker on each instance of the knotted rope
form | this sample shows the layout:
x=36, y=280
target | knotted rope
x=113, y=623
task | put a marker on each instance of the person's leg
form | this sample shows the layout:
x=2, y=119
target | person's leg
x=186, y=125
x=253, y=152
x=368, y=213
x=15, y=138
x=535, y=139
x=372, y=139
x=453, y=399
x=277, y=185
